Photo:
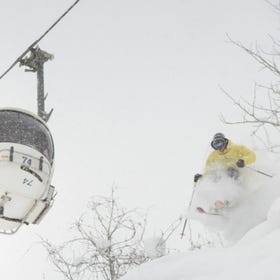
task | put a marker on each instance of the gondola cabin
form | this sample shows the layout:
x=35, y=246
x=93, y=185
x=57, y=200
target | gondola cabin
x=26, y=168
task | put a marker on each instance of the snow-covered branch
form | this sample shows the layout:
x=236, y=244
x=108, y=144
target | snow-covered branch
x=263, y=111
x=108, y=242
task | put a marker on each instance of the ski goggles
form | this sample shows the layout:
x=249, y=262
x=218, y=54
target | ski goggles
x=219, y=143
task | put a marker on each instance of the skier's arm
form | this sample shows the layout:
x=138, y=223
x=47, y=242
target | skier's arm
x=198, y=176
x=210, y=162
x=211, y=158
x=247, y=155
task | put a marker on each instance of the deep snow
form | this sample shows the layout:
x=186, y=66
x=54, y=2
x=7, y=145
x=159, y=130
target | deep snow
x=251, y=227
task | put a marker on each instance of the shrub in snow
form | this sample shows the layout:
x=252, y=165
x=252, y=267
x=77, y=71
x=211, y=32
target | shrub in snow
x=154, y=247
x=107, y=241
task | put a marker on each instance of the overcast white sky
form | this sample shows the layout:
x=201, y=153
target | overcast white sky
x=135, y=88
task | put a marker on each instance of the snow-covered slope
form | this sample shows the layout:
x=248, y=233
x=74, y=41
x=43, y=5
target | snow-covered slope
x=254, y=229
x=249, y=210
x=256, y=256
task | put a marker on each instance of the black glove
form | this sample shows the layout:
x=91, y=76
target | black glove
x=197, y=177
x=240, y=163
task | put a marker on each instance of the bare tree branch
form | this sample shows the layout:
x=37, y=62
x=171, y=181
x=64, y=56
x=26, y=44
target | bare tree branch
x=109, y=242
x=260, y=114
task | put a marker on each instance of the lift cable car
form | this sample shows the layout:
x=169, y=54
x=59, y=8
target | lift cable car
x=26, y=158
x=27, y=150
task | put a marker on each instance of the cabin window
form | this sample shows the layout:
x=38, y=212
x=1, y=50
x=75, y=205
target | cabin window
x=21, y=128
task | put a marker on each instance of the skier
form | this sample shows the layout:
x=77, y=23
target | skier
x=227, y=155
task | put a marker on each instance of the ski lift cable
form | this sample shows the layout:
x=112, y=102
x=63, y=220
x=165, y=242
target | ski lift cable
x=40, y=38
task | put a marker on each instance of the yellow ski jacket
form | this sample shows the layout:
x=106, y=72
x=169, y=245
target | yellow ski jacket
x=230, y=156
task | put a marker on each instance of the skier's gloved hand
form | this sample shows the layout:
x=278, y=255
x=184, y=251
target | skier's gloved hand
x=240, y=163
x=197, y=177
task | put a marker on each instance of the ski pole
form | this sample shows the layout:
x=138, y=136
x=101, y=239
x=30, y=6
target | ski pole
x=184, y=228
x=258, y=171
x=186, y=219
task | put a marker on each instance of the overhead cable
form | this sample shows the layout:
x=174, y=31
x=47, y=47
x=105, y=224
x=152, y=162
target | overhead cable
x=40, y=38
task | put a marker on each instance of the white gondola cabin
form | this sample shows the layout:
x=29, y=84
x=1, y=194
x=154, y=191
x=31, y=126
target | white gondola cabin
x=26, y=168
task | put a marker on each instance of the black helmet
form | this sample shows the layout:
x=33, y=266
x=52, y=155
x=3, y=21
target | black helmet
x=219, y=141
